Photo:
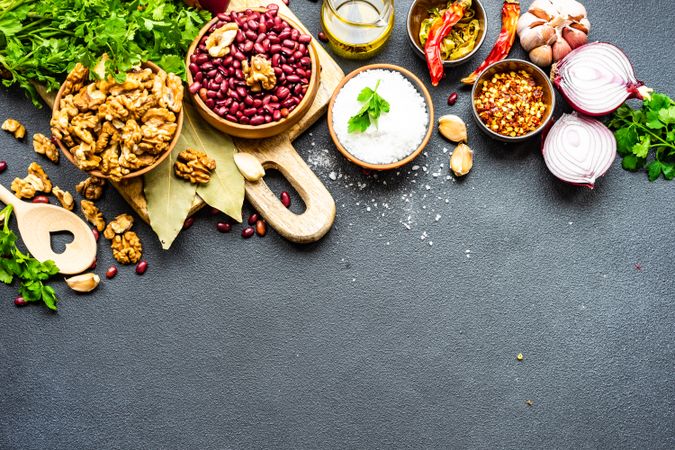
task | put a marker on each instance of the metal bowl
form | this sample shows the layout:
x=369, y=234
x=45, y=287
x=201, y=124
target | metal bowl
x=540, y=78
x=419, y=10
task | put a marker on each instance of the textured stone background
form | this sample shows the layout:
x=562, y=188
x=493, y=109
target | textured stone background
x=372, y=337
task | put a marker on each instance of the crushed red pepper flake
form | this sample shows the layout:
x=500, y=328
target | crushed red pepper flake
x=511, y=103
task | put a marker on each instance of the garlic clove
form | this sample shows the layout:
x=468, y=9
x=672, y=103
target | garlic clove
x=537, y=36
x=461, y=160
x=561, y=49
x=583, y=25
x=544, y=9
x=574, y=38
x=452, y=127
x=542, y=56
x=86, y=282
x=249, y=166
x=572, y=9
x=528, y=20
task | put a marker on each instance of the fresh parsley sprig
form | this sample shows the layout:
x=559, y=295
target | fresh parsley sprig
x=373, y=107
x=31, y=273
x=646, y=137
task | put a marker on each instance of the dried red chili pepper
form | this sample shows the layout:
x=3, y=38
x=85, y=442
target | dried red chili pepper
x=510, y=15
x=438, y=31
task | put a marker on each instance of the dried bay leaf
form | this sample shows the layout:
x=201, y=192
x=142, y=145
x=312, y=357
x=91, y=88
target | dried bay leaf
x=169, y=198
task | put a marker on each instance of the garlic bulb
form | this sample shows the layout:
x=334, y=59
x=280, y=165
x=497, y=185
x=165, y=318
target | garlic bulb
x=550, y=29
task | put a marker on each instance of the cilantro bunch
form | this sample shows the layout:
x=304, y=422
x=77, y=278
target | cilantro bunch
x=646, y=137
x=41, y=41
x=30, y=272
x=373, y=106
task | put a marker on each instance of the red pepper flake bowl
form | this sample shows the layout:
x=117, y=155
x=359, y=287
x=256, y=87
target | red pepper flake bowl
x=540, y=79
x=218, y=87
x=419, y=11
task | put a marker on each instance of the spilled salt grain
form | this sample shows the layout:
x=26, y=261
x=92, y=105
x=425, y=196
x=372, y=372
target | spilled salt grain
x=398, y=132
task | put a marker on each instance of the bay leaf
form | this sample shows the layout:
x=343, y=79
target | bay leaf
x=225, y=191
x=168, y=197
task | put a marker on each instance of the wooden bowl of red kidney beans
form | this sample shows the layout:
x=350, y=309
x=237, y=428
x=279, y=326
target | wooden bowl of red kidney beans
x=223, y=90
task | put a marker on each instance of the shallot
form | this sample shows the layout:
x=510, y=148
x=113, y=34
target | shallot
x=579, y=149
x=597, y=78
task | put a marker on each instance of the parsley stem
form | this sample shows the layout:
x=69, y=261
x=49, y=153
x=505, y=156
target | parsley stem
x=647, y=130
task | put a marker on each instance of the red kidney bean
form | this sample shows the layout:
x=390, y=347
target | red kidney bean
x=452, y=99
x=261, y=37
x=238, y=55
x=195, y=87
x=285, y=199
x=250, y=35
x=300, y=72
x=193, y=57
x=209, y=102
x=248, y=100
x=242, y=92
x=211, y=94
x=288, y=43
x=198, y=76
x=287, y=69
x=221, y=111
x=305, y=61
x=234, y=107
x=305, y=38
x=111, y=272
x=257, y=120
x=224, y=227
x=20, y=301
x=276, y=115
x=259, y=48
x=272, y=8
x=245, y=120
x=250, y=111
x=231, y=118
x=275, y=49
x=273, y=38
x=257, y=103
x=278, y=72
x=228, y=60
x=284, y=112
x=206, y=66
x=252, y=24
x=253, y=218
x=298, y=55
x=194, y=68
x=293, y=78
x=268, y=118
x=248, y=46
x=295, y=34
x=41, y=199
x=141, y=267
x=285, y=34
x=202, y=58
x=261, y=228
x=247, y=232
x=96, y=234
x=262, y=28
x=188, y=223
x=322, y=36
x=223, y=16
x=212, y=73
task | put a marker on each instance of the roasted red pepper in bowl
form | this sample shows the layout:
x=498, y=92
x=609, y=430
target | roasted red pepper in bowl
x=438, y=31
x=510, y=15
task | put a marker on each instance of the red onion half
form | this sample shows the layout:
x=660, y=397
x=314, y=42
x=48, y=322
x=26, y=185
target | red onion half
x=596, y=79
x=579, y=149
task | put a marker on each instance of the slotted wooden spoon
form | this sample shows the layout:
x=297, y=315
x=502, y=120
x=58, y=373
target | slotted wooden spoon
x=36, y=222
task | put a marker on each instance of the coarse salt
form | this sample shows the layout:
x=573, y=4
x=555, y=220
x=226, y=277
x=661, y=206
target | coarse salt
x=398, y=132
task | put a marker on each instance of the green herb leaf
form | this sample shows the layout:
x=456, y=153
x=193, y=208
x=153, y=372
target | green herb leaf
x=630, y=162
x=653, y=170
x=641, y=149
x=369, y=114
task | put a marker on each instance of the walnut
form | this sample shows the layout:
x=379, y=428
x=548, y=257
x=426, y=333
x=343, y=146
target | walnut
x=65, y=198
x=127, y=248
x=158, y=116
x=194, y=166
x=15, y=128
x=131, y=133
x=36, y=170
x=27, y=187
x=120, y=225
x=173, y=94
x=110, y=164
x=44, y=146
x=85, y=158
x=93, y=214
x=259, y=73
x=75, y=79
x=89, y=98
x=91, y=188
x=218, y=43
x=107, y=135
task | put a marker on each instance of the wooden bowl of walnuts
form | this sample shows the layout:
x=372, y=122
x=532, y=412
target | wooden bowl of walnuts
x=118, y=130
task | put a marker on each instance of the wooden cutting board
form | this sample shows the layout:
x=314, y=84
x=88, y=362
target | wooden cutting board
x=277, y=153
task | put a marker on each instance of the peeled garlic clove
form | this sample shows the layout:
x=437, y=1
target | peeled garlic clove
x=561, y=49
x=453, y=128
x=542, y=56
x=461, y=160
x=249, y=166
x=86, y=282
x=574, y=38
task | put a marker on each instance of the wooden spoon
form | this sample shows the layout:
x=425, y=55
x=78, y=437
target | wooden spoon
x=37, y=221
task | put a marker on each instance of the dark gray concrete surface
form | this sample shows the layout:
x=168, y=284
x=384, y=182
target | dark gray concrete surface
x=372, y=338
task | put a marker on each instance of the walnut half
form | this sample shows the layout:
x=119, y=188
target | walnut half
x=64, y=197
x=91, y=188
x=127, y=248
x=15, y=128
x=36, y=181
x=259, y=73
x=93, y=214
x=194, y=166
x=120, y=225
x=44, y=146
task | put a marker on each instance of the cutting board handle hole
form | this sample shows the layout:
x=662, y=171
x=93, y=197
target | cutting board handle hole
x=59, y=240
x=278, y=183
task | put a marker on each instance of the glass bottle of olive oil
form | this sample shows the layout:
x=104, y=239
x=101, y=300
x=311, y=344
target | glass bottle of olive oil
x=357, y=29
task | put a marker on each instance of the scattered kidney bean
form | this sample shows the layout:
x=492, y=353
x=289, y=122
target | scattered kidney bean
x=452, y=99
x=41, y=199
x=141, y=267
x=215, y=211
x=3, y=166
x=285, y=199
x=261, y=228
x=188, y=223
x=224, y=227
x=20, y=301
x=322, y=36
x=96, y=234
x=247, y=232
x=111, y=272
x=253, y=218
